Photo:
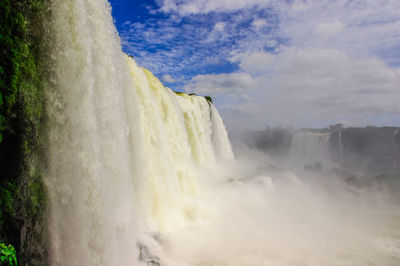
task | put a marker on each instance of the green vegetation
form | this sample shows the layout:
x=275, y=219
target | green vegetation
x=209, y=99
x=179, y=93
x=18, y=67
x=8, y=254
x=22, y=192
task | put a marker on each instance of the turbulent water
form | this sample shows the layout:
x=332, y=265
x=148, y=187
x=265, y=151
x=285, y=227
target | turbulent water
x=140, y=175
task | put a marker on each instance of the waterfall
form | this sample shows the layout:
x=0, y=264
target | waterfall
x=93, y=125
x=395, y=146
x=310, y=148
x=340, y=148
x=180, y=135
x=124, y=152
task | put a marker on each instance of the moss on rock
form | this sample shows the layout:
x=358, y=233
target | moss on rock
x=23, y=200
x=179, y=93
x=209, y=99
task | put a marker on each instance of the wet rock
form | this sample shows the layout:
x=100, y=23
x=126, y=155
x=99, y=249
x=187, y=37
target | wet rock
x=146, y=256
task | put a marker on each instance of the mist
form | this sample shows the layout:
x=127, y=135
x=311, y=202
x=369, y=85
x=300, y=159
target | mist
x=267, y=210
x=285, y=201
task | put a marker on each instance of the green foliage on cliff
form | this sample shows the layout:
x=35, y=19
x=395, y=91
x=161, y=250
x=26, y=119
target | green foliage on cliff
x=22, y=192
x=8, y=254
x=179, y=93
x=209, y=99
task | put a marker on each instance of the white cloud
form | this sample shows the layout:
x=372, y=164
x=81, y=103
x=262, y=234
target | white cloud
x=329, y=28
x=205, y=6
x=168, y=78
x=358, y=27
x=254, y=62
x=272, y=43
x=219, y=84
x=362, y=28
x=219, y=26
x=304, y=87
x=328, y=60
x=259, y=23
x=218, y=32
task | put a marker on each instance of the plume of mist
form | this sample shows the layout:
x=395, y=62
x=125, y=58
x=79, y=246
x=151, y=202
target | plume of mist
x=260, y=211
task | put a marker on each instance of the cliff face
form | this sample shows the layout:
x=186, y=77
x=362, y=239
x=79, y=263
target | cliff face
x=22, y=192
x=371, y=150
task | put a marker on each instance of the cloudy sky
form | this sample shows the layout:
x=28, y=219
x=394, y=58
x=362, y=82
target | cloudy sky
x=302, y=63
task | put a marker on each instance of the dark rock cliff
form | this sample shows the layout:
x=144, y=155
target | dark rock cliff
x=372, y=150
x=23, y=202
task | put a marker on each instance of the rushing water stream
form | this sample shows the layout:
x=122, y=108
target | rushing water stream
x=140, y=175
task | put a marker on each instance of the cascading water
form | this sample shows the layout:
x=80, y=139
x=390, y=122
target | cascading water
x=395, y=147
x=341, y=148
x=181, y=134
x=310, y=148
x=93, y=125
x=121, y=146
x=140, y=175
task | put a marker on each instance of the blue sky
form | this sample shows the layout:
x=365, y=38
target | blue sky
x=291, y=62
